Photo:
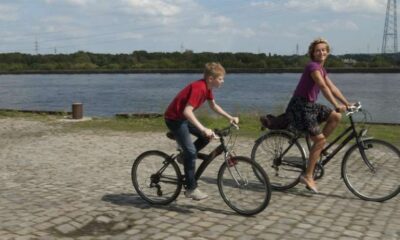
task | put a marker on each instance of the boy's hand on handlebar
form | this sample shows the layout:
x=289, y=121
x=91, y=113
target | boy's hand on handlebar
x=234, y=120
x=208, y=133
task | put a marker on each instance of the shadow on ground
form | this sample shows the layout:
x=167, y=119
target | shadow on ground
x=125, y=199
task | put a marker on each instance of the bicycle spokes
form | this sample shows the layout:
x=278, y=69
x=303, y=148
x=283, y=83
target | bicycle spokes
x=372, y=171
x=237, y=176
x=156, y=177
x=244, y=186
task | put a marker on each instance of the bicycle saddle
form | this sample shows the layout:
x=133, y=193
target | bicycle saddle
x=170, y=135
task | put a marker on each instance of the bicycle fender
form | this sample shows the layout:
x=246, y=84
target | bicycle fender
x=154, y=151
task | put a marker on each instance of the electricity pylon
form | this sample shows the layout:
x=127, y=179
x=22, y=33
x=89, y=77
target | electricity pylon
x=389, y=43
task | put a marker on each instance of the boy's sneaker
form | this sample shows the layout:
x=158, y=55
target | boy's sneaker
x=195, y=194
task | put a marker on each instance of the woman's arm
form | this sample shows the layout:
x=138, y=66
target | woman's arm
x=336, y=92
x=326, y=90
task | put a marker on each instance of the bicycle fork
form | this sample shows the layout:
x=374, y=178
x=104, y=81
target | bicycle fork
x=362, y=147
x=242, y=181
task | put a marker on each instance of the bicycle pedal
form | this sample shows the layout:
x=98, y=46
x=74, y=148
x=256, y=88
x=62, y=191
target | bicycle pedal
x=325, y=153
x=170, y=135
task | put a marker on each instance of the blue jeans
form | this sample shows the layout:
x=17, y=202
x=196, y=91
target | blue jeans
x=182, y=130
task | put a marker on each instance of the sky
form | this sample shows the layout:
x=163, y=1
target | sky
x=282, y=27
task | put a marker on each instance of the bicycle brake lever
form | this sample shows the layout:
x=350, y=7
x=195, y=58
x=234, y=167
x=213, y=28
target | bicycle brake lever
x=214, y=136
x=235, y=125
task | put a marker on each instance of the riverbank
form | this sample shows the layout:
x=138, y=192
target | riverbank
x=192, y=70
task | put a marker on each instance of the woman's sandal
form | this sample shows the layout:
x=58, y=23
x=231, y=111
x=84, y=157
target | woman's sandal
x=308, y=185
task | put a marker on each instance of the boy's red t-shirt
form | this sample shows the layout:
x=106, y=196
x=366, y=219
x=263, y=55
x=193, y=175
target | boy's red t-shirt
x=194, y=94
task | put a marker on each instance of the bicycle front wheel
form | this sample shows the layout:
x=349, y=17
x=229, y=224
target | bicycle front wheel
x=243, y=190
x=281, y=156
x=156, y=177
x=372, y=171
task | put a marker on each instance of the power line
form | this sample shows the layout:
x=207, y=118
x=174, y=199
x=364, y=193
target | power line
x=142, y=31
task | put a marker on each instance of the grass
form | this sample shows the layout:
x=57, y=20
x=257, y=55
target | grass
x=28, y=116
x=390, y=133
x=249, y=125
x=122, y=124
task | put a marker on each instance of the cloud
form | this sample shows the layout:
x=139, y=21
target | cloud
x=323, y=27
x=339, y=6
x=216, y=26
x=263, y=4
x=72, y=2
x=8, y=12
x=360, y=6
x=154, y=7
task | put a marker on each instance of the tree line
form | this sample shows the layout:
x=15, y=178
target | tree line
x=86, y=61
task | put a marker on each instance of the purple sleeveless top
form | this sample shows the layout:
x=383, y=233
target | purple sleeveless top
x=306, y=87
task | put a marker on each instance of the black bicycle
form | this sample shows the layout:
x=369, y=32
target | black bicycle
x=370, y=167
x=242, y=183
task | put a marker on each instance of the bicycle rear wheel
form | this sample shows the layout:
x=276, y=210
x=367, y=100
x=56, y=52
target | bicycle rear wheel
x=239, y=186
x=281, y=156
x=156, y=177
x=377, y=182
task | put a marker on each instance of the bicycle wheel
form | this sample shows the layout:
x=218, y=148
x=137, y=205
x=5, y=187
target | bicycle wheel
x=241, y=189
x=282, y=158
x=377, y=182
x=156, y=178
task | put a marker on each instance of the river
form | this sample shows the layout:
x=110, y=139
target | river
x=108, y=94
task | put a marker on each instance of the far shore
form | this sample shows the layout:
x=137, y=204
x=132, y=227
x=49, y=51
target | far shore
x=229, y=70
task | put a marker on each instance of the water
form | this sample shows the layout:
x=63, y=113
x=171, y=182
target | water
x=108, y=94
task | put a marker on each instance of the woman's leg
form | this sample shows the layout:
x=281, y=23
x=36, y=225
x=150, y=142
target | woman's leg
x=315, y=152
x=331, y=123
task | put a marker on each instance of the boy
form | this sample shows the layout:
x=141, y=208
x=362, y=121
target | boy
x=180, y=119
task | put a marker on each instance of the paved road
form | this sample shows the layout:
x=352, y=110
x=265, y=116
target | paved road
x=76, y=185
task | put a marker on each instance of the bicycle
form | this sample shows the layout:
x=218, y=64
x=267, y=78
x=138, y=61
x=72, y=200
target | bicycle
x=157, y=178
x=370, y=167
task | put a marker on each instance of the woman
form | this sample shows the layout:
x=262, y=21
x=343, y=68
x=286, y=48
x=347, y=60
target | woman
x=305, y=114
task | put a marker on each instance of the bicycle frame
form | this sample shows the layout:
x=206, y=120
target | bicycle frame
x=348, y=134
x=207, y=158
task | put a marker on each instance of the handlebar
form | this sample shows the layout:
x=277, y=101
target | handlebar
x=225, y=131
x=353, y=109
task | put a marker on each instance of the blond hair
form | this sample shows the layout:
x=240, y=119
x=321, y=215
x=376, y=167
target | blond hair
x=213, y=69
x=314, y=43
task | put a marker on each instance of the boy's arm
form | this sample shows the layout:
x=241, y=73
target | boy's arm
x=188, y=113
x=216, y=108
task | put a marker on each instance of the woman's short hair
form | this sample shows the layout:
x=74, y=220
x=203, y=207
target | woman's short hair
x=213, y=69
x=314, y=43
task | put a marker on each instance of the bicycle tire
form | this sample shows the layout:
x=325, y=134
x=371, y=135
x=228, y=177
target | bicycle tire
x=376, y=186
x=283, y=171
x=156, y=188
x=241, y=189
